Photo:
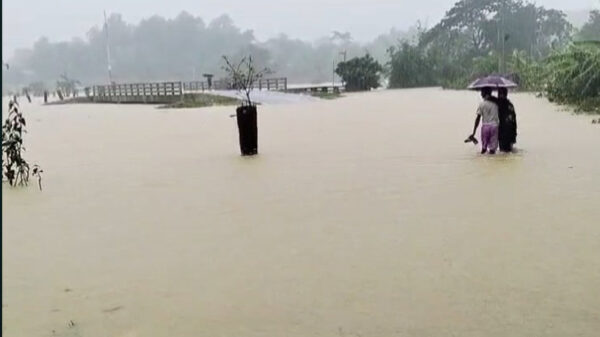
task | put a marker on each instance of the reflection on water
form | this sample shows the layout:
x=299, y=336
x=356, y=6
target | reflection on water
x=364, y=216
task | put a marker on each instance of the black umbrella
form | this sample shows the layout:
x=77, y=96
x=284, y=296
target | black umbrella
x=492, y=81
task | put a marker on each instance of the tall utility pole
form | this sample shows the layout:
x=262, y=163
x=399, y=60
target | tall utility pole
x=333, y=77
x=345, y=52
x=534, y=30
x=333, y=73
x=503, y=36
x=501, y=39
x=107, y=50
x=498, y=46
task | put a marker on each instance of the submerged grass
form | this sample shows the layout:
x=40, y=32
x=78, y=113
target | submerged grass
x=326, y=95
x=72, y=100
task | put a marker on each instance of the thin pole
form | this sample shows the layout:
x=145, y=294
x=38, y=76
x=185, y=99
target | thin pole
x=498, y=46
x=333, y=73
x=107, y=50
x=345, y=52
x=534, y=30
x=503, y=37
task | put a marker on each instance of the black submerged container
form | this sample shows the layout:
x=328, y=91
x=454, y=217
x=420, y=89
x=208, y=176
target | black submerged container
x=248, y=129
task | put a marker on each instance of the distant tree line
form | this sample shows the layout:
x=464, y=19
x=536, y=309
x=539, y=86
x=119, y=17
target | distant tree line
x=532, y=44
x=182, y=48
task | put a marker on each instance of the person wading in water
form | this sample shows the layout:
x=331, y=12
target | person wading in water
x=487, y=113
x=507, y=131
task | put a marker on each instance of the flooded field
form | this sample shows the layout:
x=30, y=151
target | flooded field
x=363, y=216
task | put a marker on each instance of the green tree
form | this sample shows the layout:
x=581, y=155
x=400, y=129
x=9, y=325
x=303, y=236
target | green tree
x=591, y=30
x=489, y=25
x=467, y=20
x=360, y=73
x=410, y=67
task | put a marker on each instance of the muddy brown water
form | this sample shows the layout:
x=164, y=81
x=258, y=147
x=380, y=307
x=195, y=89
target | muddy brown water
x=362, y=216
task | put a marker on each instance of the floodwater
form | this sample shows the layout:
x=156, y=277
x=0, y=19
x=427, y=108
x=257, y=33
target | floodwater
x=363, y=216
x=268, y=97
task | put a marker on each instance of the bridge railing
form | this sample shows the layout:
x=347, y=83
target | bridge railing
x=203, y=85
x=169, y=91
x=138, y=89
x=275, y=84
x=271, y=84
x=136, y=92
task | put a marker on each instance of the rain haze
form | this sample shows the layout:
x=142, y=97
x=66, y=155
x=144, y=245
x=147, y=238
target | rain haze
x=331, y=168
x=24, y=21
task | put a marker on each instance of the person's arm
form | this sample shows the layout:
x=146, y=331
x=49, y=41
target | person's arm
x=514, y=115
x=477, y=120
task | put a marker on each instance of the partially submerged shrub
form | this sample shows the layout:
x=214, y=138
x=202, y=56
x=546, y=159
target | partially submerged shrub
x=243, y=76
x=15, y=168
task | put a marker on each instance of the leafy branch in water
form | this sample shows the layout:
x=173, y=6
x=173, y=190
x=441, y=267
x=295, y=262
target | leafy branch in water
x=15, y=168
x=244, y=76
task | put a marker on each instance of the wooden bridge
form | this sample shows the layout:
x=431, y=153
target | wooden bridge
x=168, y=92
x=270, y=84
x=163, y=92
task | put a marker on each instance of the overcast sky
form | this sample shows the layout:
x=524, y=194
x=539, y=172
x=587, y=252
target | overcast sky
x=24, y=21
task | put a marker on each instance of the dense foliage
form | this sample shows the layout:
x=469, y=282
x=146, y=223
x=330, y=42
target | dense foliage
x=591, y=30
x=411, y=67
x=360, y=73
x=574, y=76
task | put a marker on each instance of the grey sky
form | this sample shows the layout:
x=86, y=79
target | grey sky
x=24, y=21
